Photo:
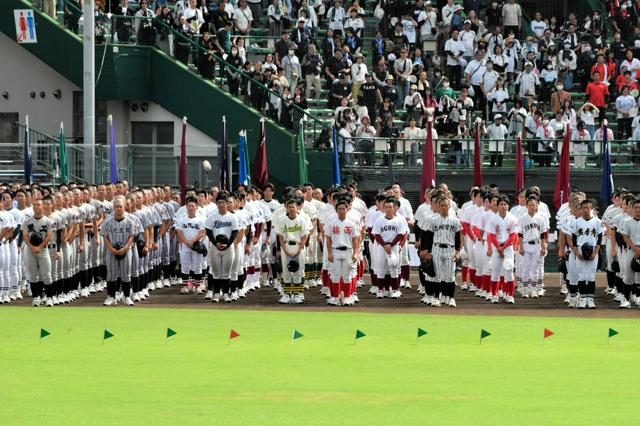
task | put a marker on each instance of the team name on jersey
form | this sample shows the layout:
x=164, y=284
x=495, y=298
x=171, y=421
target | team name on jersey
x=191, y=226
x=347, y=230
x=32, y=228
x=444, y=227
x=531, y=226
x=587, y=232
x=221, y=224
x=389, y=228
x=292, y=228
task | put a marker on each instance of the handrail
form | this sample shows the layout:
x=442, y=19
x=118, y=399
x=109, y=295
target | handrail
x=217, y=58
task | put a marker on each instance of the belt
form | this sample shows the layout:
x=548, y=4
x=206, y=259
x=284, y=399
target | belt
x=51, y=246
x=532, y=242
x=292, y=243
x=341, y=248
x=444, y=245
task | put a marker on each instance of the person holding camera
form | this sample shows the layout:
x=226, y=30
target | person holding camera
x=312, y=67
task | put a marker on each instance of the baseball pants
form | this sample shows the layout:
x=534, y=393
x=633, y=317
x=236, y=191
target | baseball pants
x=39, y=266
x=220, y=262
x=443, y=263
x=190, y=261
x=119, y=269
x=342, y=273
x=531, y=263
x=14, y=259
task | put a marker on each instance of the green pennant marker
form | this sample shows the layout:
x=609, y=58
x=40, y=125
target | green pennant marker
x=422, y=332
x=484, y=333
x=107, y=335
x=359, y=334
x=43, y=333
x=170, y=332
x=612, y=333
x=296, y=335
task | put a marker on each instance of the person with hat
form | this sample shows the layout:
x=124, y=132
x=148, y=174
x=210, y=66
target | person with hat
x=497, y=133
x=358, y=73
x=468, y=38
x=292, y=230
x=447, y=12
x=144, y=25
x=301, y=37
x=390, y=92
x=341, y=88
x=527, y=80
x=428, y=22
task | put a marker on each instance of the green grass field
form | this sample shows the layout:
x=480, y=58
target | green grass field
x=323, y=378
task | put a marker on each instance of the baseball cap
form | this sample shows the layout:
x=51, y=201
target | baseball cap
x=467, y=22
x=498, y=117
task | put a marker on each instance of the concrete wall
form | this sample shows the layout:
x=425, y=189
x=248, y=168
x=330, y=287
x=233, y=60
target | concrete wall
x=22, y=73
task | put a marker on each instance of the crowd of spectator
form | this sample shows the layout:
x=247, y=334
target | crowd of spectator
x=440, y=62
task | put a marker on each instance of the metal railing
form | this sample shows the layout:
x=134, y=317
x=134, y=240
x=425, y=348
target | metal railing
x=382, y=152
x=113, y=28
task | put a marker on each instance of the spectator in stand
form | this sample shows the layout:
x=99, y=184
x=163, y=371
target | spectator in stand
x=545, y=135
x=354, y=22
x=498, y=98
x=336, y=16
x=358, y=73
x=183, y=41
x=623, y=22
x=548, y=78
x=403, y=69
x=123, y=26
x=371, y=97
x=447, y=12
x=618, y=47
x=454, y=49
x=292, y=69
x=632, y=64
x=597, y=92
x=538, y=26
x=414, y=136
x=624, y=80
x=312, y=68
x=497, y=134
x=527, y=80
x=243, y=18
x=365, y=135
x=206, y=61
x=335, y=66
x=255, y=10
x=468, y=38
x=427, y=20
x=626, y=110
x=144, y=25
x=512, y=17
x=602, y=68
x=275, y=14
x=580, y=140
x=341, y=88
x=585, y=61
x=301, y=38
x=234, y=76
x=559, y=97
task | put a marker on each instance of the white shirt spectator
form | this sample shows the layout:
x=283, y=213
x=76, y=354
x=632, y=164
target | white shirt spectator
x=468, y=39
x=456, y=47
x=358, y=71
x=633, y=66
x=447, y=13
x=243, y=18
x=497, y=133
x=510, y=14
x=430, y=20
x=527, y=80
x=336, y=18
x=625, y=104
x=475, y=68
x=489, y=79
x=538, y=28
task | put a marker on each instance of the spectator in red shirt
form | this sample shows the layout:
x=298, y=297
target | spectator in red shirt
x=597, y=92
x=624, y=80
x=602, y=69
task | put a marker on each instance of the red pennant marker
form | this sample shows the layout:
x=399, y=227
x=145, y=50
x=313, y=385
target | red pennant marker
x=548, y=333
x=233, y=334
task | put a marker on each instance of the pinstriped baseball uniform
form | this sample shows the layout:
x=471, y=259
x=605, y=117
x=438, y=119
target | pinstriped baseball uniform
x=38, y=264
x=143, y=218
x=136, y=263
x=631, y=228
x=7, y=222
x=531, y=230
x=444, y=231
x=57, y=264
x=15, y=260
x=118, y=231
x=24, y=271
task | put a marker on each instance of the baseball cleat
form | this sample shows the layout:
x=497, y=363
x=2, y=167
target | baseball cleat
x=510, y=300
x=285, y=299
x=583, y=303
x=333, y=301
x=452, y=302
x=226, y=298
x=128, y=301
x=625, y=304
x=36, y=301
x=590, y=303
x=110, y=301
x=216, y=298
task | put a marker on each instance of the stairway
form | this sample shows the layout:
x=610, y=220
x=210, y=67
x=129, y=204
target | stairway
x=138, y=72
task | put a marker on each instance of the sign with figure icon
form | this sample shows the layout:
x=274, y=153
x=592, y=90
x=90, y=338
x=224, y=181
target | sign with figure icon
x=25, y=26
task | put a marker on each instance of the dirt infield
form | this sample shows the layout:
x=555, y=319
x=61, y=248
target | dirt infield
x=551, y=305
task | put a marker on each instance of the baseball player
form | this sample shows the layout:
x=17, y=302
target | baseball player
x=118, y=231
x=532, y=246
x=343, y=245
x=373, y=214
x=610, y=239
x=14, y=261
x=221, y=229
x=631, y=234
x=37, y=233
x=55, y=248
x=241, y=248
x=268, y=259
x=442, y=246
x=190, y=230
x=292, y=231
x=586, y=239
x=390, y=232
x=138, y=293
x=624, y=254
x=502, y=237
x=7, y=226
x=431, y=285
